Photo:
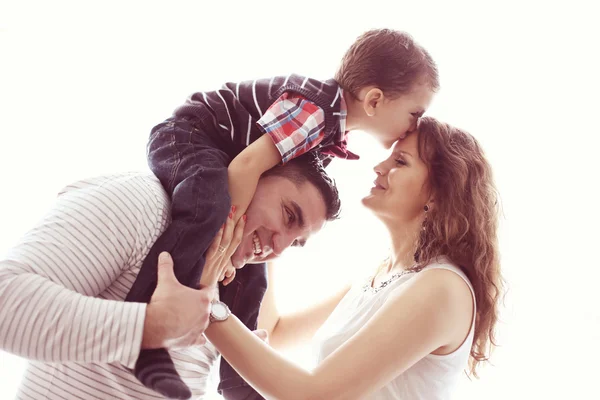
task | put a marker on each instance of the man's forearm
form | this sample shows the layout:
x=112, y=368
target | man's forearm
x=46, y=322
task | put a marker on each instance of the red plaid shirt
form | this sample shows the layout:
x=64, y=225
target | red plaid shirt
x=296, y=126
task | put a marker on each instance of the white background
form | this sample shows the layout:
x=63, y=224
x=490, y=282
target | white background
x=82, y=83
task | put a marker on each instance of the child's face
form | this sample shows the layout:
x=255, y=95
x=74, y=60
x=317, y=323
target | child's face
x=391, y=119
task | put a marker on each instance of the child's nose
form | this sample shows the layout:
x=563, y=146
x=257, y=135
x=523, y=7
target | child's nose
x=412, y=127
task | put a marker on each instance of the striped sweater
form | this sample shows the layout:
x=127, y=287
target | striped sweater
x=62, y=289
x=237, y=107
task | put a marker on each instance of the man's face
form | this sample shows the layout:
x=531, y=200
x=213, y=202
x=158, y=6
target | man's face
x=280, y=215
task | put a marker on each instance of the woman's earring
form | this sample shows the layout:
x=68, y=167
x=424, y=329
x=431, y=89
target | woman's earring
x=426, y=208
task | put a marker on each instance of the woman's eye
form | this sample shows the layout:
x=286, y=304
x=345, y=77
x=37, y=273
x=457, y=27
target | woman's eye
x=400, y=161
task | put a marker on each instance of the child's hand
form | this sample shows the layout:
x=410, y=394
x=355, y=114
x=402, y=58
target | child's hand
x=218, y=265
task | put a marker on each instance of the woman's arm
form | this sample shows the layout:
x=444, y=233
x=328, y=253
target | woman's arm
x=293, y=329
x=418, y=319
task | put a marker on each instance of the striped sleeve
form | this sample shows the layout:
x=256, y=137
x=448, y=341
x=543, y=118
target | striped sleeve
x=50, y=281
x=295, y=124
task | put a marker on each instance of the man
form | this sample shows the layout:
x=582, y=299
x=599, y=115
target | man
x=61, y=288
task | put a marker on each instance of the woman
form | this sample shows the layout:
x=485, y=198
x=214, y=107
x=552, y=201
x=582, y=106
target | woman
x=430, y=309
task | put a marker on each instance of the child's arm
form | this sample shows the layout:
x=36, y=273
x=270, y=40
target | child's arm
x=245, y=170
x=291, y=119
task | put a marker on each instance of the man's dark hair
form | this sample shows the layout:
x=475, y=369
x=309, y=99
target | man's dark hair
x=309, y=168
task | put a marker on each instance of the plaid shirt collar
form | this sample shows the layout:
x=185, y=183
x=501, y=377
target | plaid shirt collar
x=343, y=113
x=338, y=149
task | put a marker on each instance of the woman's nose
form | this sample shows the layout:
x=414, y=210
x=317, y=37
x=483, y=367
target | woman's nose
x=379, y=169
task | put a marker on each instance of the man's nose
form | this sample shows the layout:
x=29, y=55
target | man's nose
x=282, y=242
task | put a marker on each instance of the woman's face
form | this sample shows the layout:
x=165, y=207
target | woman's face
x=401, y=188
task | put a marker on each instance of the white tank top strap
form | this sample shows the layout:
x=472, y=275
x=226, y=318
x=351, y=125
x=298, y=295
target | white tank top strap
x=446, y=265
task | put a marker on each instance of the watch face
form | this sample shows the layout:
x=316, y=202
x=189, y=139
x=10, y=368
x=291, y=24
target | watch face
x=219, y=311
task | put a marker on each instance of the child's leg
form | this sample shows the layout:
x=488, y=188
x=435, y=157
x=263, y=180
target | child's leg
x=194, y=173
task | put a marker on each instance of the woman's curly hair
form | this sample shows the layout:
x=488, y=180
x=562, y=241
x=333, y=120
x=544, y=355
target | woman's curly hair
x=463, y=223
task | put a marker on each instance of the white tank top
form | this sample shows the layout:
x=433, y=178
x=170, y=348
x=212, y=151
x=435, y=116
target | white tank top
x=431, y=378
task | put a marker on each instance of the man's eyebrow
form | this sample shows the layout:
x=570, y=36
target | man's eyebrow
x=299, y=214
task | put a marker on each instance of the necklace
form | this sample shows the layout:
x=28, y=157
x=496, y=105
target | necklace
x=369, y=288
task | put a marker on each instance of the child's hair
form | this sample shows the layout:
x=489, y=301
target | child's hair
x=389, y=60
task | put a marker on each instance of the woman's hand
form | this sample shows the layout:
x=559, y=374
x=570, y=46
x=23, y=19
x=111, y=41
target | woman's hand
x=218, y=266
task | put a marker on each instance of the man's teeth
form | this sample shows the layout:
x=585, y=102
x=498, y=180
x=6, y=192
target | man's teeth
x=257, y=246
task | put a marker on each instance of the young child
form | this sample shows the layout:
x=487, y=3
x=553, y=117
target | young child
x=384, y=84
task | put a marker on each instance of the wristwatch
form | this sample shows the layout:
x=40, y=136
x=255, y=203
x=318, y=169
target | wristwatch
x=219, y=311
